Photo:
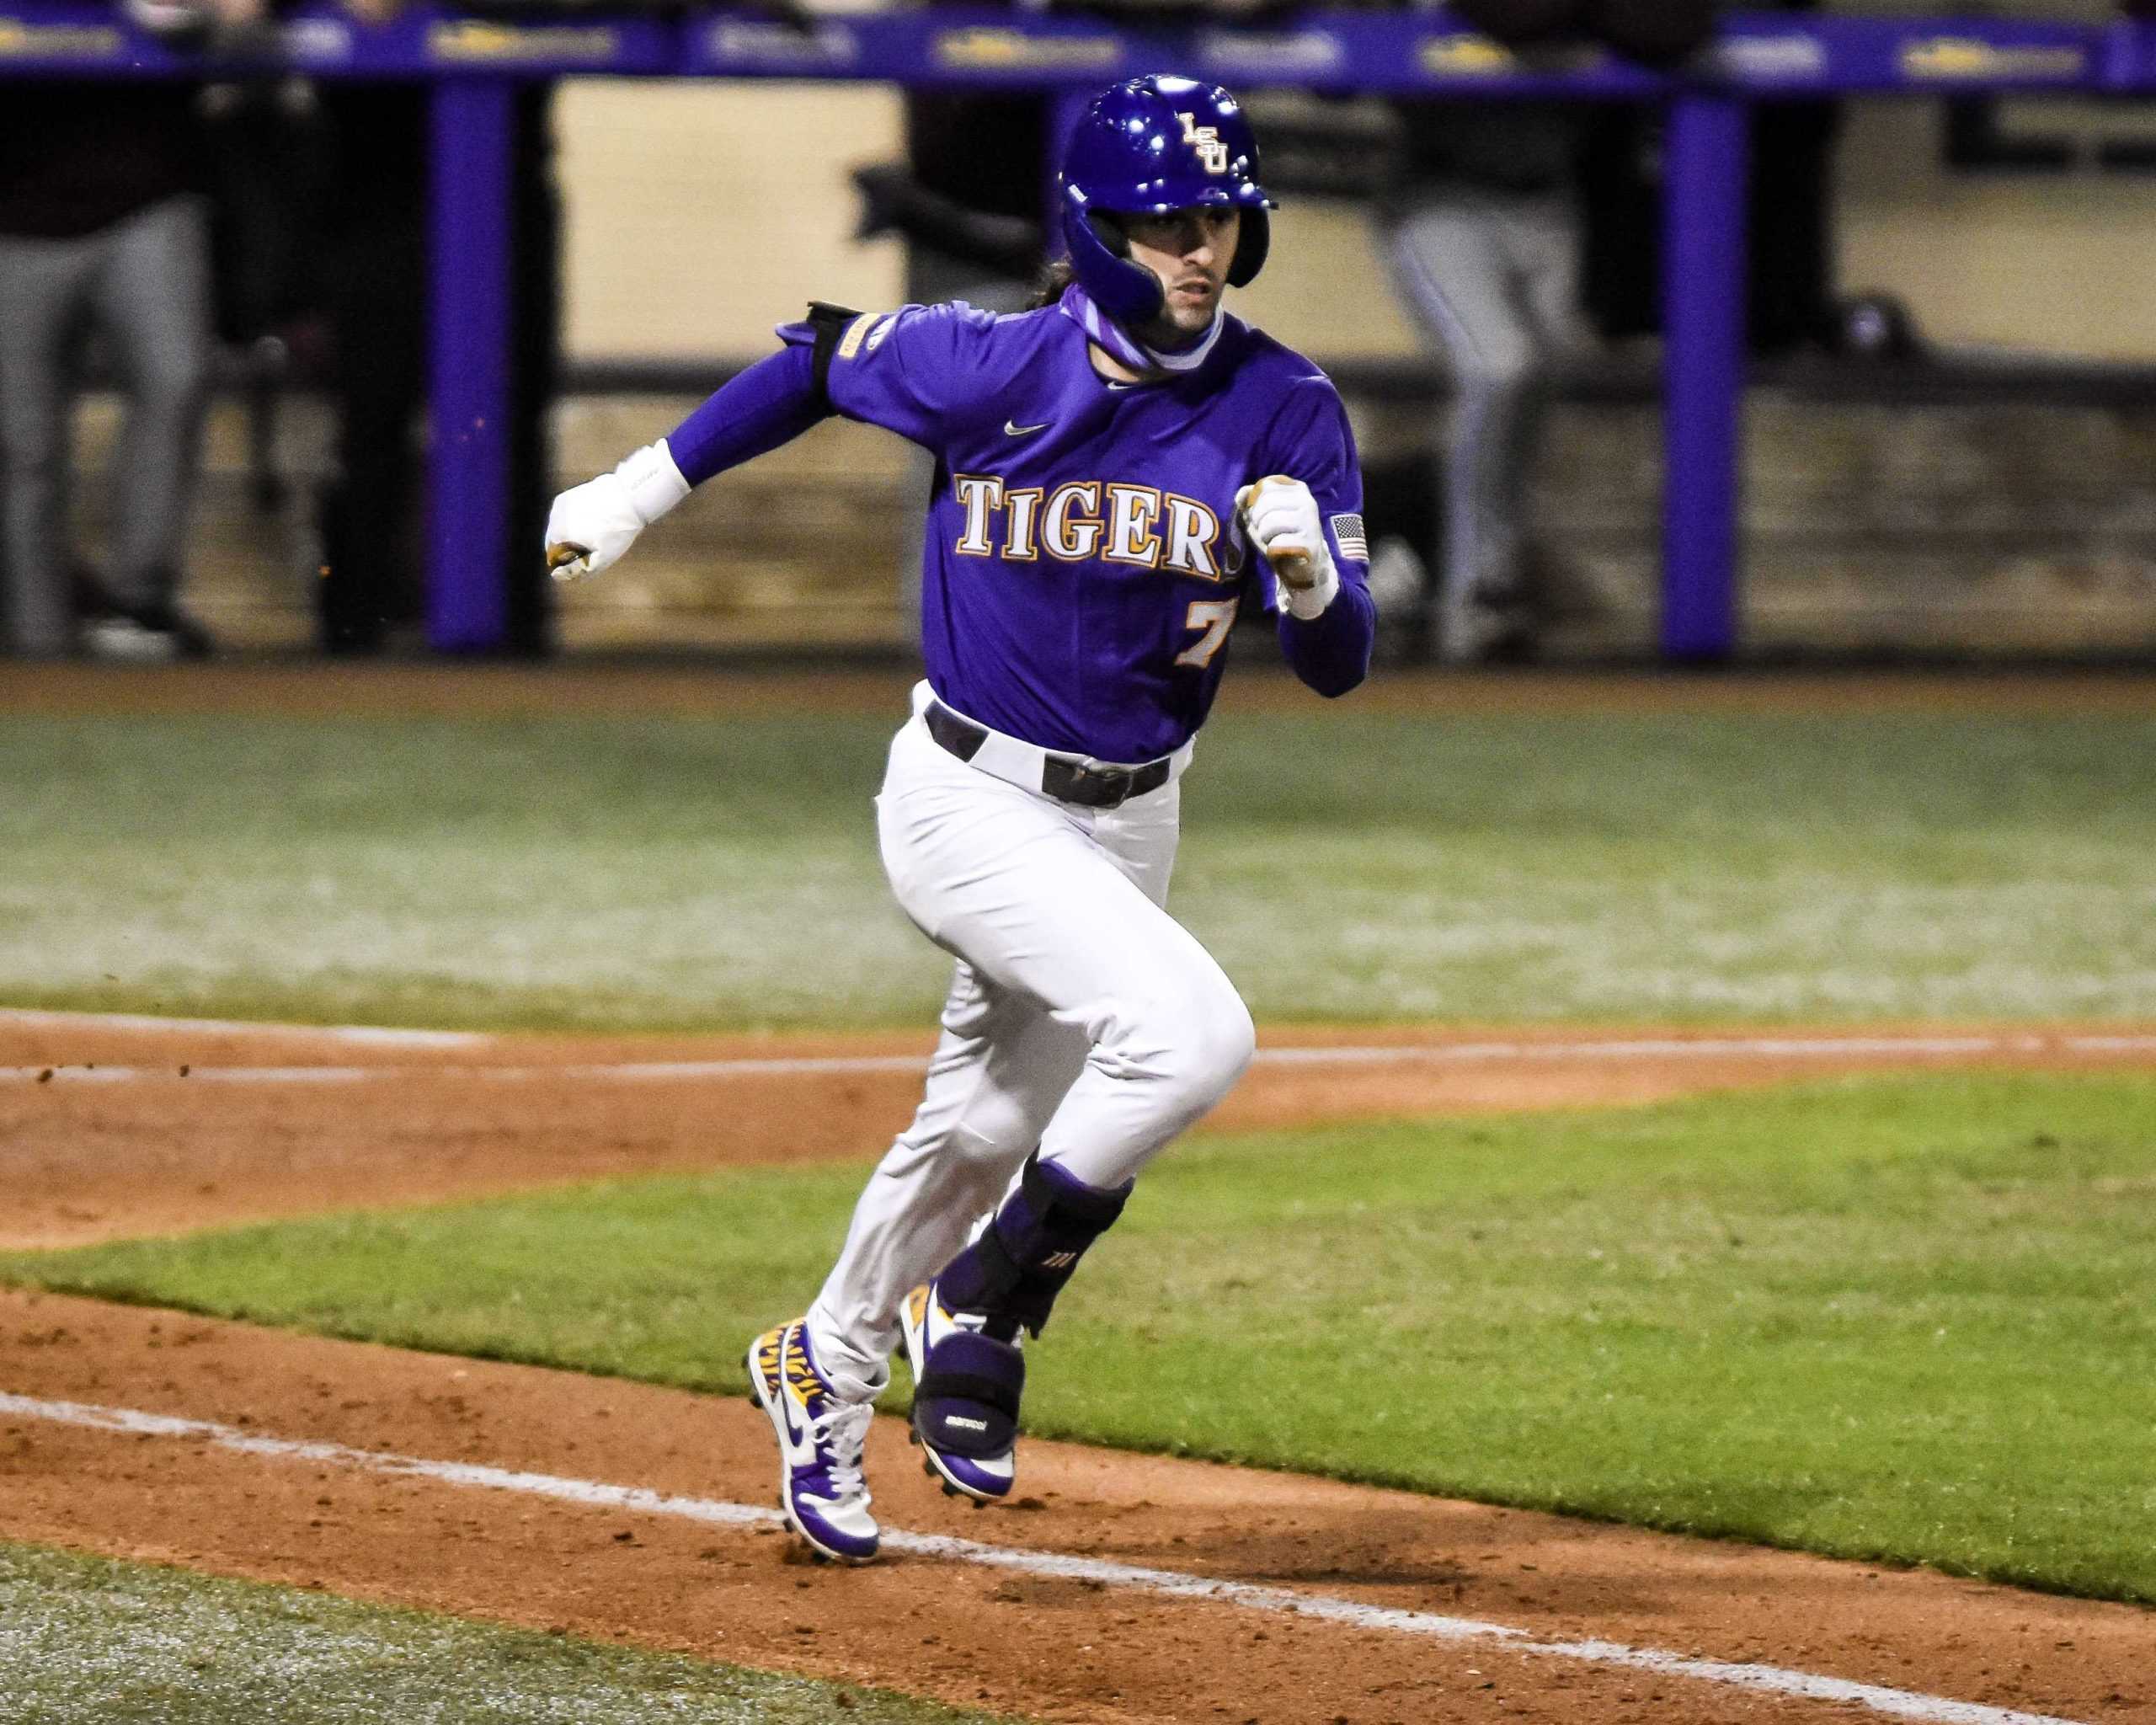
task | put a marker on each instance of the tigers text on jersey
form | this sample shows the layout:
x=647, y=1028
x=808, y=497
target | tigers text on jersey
x=1083, y=567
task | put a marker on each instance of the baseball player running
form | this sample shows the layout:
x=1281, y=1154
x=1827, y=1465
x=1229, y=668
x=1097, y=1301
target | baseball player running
x=1106, y=466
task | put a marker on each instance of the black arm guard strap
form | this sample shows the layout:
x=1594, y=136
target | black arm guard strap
x=829, y=322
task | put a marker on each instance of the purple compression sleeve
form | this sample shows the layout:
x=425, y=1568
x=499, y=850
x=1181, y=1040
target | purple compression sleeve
x=771, y=402
x=1331, y=652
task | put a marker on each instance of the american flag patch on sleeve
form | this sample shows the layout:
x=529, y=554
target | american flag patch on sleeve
x=1348, y=530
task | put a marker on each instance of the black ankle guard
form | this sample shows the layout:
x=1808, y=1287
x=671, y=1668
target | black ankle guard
x=1013, y=1271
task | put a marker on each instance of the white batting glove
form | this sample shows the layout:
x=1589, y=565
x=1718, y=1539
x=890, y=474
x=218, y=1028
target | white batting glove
x=1280, y=517
x=591, y=524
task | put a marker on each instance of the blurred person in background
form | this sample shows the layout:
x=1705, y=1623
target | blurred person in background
x=1789, y=223
x=1484, y=229
x=372, y=294
x=968, y=198
x=1481, y=229
x=375, y=292
x=104, y=231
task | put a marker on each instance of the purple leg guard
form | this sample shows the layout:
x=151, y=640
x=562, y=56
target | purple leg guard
x=1013, y=1272
x=965, y=1404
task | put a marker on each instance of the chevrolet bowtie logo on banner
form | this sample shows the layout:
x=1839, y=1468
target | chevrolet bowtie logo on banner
x=465, y=41
x=986, y=47
x=1954, y=57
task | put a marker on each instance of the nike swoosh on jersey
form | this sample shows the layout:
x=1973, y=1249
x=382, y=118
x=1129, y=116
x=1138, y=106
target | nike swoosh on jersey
x=1010, y=430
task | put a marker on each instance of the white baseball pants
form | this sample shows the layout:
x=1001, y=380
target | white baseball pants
x=1082, y=1018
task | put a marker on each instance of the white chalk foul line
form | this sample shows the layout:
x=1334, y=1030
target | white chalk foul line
x=358, y=1035
x=1797, y=1047
x=628, y=1071
x=1665, y=1047
x=1169, y=1583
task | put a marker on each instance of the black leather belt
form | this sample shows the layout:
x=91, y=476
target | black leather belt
x=1062, y=777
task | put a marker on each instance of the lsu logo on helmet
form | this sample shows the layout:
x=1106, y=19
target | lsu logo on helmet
x=1206, y=141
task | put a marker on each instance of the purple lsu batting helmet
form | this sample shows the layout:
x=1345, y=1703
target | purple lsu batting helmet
x=1147, y=146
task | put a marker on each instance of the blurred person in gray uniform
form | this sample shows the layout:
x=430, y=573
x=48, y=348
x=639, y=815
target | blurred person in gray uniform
x=104, y=229
x=1484, y=227
x=1481, y=229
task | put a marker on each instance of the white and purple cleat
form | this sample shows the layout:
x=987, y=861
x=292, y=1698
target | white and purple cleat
x=820, y=1439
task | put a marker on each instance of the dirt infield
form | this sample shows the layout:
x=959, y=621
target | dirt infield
x=1073, y=1648
x=114, y=1129
x=269, y=1122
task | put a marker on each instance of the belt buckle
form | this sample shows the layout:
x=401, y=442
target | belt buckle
x=1112, y=784
x=1073, y=781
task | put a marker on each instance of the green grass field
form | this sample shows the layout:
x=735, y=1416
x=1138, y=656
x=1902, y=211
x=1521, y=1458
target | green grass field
x=622, y=873
x=85, y=1641
x=1907, y=1319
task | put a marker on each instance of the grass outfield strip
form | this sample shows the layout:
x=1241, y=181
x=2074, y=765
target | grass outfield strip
x=620, y=874
x=84, y=1640
x=1908, y=1320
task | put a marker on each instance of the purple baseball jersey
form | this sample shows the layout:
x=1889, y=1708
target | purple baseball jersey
x=1083, y=566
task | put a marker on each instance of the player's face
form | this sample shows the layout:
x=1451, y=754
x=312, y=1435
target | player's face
x=1190, y=251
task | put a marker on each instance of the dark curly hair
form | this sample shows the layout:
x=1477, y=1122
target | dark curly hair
x=1049, y=285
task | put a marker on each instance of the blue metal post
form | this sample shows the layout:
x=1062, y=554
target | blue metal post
x=1704, y=292
x=467, y=601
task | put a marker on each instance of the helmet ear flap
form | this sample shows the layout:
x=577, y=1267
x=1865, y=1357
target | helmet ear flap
x=1252, y=245
x=1127, y=292
x=1109, y=232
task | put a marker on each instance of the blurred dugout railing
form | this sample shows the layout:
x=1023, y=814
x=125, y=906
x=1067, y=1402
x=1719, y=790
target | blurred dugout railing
x=1952, y=507
x=475, y=63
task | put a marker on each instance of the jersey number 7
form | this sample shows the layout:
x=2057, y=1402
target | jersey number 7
x=1215, y=617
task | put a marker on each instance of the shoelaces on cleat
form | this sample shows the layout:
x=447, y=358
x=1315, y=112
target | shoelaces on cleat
x=840, y=1437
